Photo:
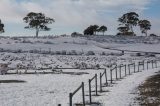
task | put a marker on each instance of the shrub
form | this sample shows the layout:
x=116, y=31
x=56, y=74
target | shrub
x=58, y=53
x=90, y=53
x=26, y=41
x=81, y=65
x=97, y=66
x=103, y=53
x=64, y=52
x=73, y=52
x=48, y=42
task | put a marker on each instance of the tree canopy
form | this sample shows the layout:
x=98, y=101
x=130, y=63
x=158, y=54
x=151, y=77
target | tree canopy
x=145, y=25
x=92, y=29
x=1, y=27
x=103, y=29
x=38, y=21
x=129, y=20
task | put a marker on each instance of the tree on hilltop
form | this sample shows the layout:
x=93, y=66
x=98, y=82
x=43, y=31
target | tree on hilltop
x=129, y=20
x=144, y=25
x=38, y=21
x=1, y=27
x=103, y=29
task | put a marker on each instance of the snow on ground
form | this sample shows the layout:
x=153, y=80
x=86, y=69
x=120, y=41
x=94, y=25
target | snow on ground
x=42, y=90
x=122, y=93
x=51, y=89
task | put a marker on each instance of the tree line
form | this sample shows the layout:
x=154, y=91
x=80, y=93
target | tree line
x=39, y=22
x=127, y=22
x=93, y=29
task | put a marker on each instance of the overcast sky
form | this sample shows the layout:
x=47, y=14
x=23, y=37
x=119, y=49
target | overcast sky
x=76, y=15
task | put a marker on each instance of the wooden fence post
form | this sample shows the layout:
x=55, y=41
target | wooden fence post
x=138, y=66
x=100, y=82
x=143, y=65
x=96, y=84
x=83, y=95
x=152, y=64
x=156, y=63
x=134, y=67
x=70, y=99
x=111, y=75
x=147, y=64
x=90, y=98
x=125, y=70
x=120, y=72
x=106, y=76
x=116, y=73
x=129, y=69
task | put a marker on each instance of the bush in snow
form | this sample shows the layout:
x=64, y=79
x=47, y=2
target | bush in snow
x=48, y=42
x=64, y=52
x=27, y=41
x=103, y=53
x=90, y=53
x=58, y=53
x=73, y=52
x=81, y=65
x=8, y=42
x=97, y=66
x=76, y=34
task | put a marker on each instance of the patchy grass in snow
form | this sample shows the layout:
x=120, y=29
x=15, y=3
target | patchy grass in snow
x=149, y=92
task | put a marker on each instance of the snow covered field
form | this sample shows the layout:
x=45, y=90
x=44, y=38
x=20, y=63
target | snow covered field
x=45, y=54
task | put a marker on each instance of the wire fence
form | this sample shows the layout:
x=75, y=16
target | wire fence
x=117, y=72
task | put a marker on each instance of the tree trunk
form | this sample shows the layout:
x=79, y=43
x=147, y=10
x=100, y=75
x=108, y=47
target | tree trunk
x=103, y=33
x=37, y=31
x=146, y=33
x=132, y=29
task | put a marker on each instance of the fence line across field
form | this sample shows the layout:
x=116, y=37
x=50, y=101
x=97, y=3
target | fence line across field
x=117, y=69
x=104, y=74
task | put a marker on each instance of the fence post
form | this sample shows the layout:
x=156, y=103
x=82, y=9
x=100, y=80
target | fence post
x=125, y=70
x=134, y=67
x=111, y=75
x=96, y=83
x=138, y=66
x=100, y=82
x=70, y=99
x=156, y=63
x=152, y=64
x=106, y=76
x=90, y=98
x=143, y=64
x=147, y=64
x=116, y=73
x=59, y=104
x=129, y=69
x=83, y=95
x=120, y=71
